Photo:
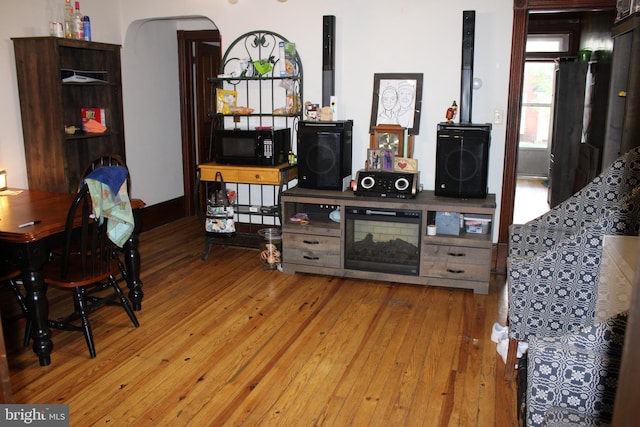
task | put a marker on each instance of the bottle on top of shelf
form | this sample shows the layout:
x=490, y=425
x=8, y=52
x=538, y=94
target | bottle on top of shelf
x=68, y=19
x=87, y=28
x=78, y=25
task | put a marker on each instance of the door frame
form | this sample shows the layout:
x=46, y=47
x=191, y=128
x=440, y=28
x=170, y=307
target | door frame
x=187, y=112
x=521, y=9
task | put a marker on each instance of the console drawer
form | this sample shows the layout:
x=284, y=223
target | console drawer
x=456, y=262
x=311, y=250
x=474, y=272
x=456, y=254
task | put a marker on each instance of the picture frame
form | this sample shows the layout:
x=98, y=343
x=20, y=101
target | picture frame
x=405, y=164
x=625, y=8
x=397, y=99
x=380, y=159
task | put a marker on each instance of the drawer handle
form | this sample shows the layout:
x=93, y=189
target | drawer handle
x=450, y=270
x=309, y=242
x=312, y=258
x=457, y=254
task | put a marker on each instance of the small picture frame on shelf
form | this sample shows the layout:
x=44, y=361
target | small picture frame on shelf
x=624, y=8
x=405, y=164
x=380, y=159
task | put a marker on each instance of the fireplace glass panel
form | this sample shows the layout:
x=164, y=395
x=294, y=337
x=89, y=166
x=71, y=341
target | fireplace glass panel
x=386, y=241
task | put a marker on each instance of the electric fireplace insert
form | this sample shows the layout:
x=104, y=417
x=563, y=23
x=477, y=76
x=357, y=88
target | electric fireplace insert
x=383, y=240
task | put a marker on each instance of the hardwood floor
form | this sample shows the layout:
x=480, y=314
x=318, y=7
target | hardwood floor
x=222, y=342
x=530, y=199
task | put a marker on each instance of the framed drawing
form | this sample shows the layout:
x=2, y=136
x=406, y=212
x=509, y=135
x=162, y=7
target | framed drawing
x=397, y=99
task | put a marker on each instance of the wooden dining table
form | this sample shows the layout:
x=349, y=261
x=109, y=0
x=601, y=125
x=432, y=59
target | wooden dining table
x=31, y=223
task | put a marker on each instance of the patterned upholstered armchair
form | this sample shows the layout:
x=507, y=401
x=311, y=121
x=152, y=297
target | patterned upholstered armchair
x=583, y=208
x=571, y=379
x=553, y=267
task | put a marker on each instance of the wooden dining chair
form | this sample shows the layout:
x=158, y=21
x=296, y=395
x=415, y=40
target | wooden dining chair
x=104, y=160
x=9, y=275
x=86, y=262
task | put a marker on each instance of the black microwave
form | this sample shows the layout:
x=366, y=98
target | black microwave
x=257, y=147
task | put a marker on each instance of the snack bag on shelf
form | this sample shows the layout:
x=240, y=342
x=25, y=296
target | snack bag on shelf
x=225, y=100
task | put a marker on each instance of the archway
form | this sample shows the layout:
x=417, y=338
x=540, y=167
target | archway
x=152, y=105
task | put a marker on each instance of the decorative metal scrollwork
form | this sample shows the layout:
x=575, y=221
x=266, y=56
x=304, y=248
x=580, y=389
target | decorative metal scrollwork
x=253, y=54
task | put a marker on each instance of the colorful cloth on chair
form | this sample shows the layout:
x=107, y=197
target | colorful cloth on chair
x=108, y=188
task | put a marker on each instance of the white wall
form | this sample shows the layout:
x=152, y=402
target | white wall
x=373, y=36
x=151, y=98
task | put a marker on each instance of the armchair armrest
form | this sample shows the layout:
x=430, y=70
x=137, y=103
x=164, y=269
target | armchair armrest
x=560, y=417
x=533, y=238
x=605, y=337
x=555, y=291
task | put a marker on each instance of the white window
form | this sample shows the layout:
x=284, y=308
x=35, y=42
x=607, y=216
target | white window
x=547, y=43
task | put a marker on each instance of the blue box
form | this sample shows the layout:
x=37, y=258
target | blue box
x=448, y=223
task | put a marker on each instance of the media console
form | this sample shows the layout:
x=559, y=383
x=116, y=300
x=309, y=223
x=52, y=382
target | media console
x=333, y=232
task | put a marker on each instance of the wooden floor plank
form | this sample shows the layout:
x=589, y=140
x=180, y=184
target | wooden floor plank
x=405, y=358
x=272, y=362
x=470, y=360
x=241, y=358
x=434, y=370
x=222, y=342
x=489, y=358
x=351, y=392
x=382, y=392
x=326, y=349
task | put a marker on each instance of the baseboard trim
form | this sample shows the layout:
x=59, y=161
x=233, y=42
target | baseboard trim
x=162, y=213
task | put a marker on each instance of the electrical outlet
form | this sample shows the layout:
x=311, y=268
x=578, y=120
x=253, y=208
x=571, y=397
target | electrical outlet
x=497, y=117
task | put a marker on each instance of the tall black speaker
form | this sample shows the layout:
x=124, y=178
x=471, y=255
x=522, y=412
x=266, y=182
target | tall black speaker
x=328, y=58
x=324, y=155
x=462, y=160
x=466, y=76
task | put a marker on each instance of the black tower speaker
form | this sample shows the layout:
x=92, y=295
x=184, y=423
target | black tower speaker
x=466, y=77
x=328, y=58
x=324, y=155
x=462, y=160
